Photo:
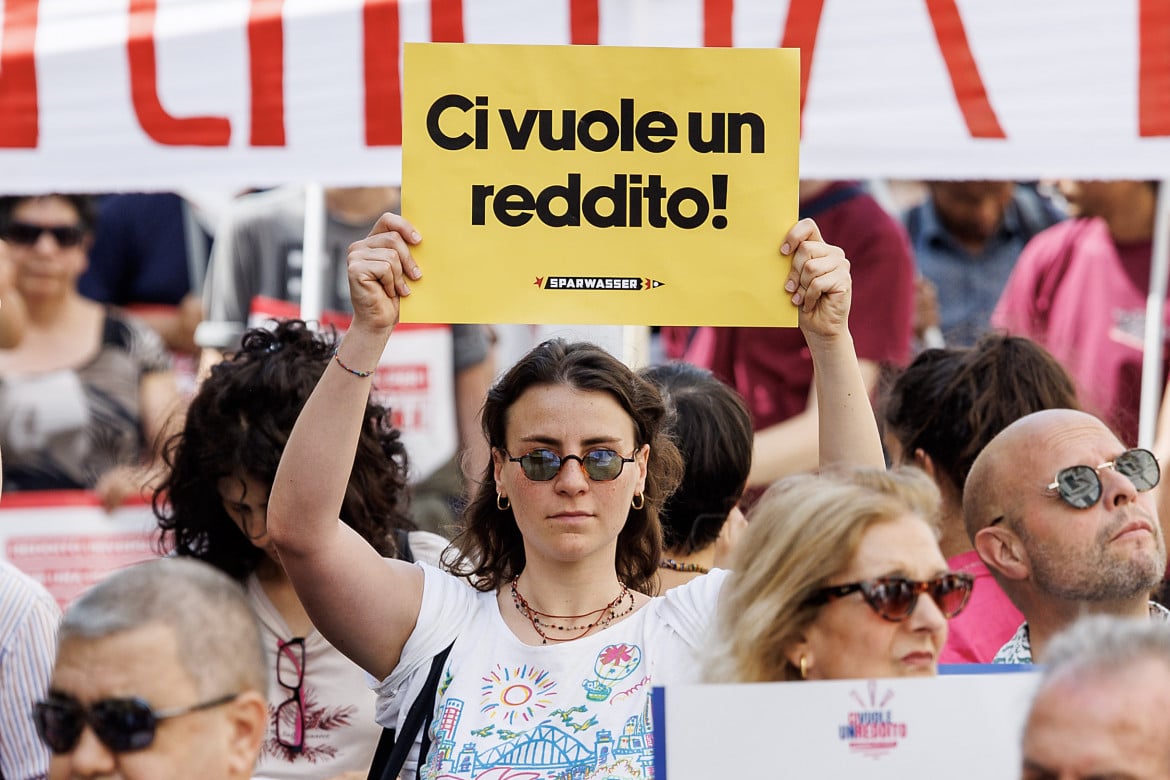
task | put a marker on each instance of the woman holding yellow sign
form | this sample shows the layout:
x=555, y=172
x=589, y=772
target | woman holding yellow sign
x=553, y=638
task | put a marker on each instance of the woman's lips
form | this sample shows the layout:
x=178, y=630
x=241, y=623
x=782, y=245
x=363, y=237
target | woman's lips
x=921, y=659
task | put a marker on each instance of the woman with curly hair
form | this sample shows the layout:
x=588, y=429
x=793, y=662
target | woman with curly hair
x=213, y=506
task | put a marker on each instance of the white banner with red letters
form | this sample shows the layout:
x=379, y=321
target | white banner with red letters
x=164, y=94
x=67, y=542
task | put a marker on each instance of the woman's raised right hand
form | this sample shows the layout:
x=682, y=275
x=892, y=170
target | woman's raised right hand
x=380, y=267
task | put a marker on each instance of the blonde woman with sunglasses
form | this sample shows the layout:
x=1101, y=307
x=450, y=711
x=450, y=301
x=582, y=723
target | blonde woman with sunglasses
x=839, y=576
x=557, y=639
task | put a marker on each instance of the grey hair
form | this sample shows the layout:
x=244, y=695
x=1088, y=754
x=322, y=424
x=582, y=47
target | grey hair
x=1098, y=643
x=216, y=630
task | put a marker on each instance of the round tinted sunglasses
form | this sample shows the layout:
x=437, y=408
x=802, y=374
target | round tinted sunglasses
x=122, y=725
x=1080, y=486
x=894, y=598
x=27, y=234
x=600, y=465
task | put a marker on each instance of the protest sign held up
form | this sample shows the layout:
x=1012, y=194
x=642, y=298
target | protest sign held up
x=600, y=185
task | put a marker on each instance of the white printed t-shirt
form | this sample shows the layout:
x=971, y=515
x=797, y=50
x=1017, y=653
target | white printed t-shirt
x=574, y=709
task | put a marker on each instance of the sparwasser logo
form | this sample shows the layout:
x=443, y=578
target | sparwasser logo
x=872, y=729
x=597, y=283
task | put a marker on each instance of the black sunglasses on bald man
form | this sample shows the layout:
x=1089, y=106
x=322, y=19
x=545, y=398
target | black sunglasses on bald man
x=1080, y=486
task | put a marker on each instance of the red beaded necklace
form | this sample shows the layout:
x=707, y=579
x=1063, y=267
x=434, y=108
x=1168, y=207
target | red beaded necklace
x=605, y=615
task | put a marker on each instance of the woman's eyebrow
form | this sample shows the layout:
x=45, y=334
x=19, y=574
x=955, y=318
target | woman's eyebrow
x=552, y=441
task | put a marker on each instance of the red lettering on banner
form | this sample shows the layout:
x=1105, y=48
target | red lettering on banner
x=964, y=73
x=403, y=378
x=1154, y=68
x=67, y=565
x=19, y=126
x=382, y=45
x=154, y=119
x=804, y=21
x=717, y=23
x=407, y=415
x=447, y=21
x=266, y=58
x=584, y=22
x=800, y=32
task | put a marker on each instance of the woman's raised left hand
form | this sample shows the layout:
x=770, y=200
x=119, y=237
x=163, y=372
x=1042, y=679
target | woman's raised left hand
x=819, y=282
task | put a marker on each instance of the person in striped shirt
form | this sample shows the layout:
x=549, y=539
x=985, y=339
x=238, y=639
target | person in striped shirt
x=28, y=641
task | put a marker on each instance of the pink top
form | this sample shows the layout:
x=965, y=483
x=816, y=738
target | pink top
x=990, y=619
x=1083, y=297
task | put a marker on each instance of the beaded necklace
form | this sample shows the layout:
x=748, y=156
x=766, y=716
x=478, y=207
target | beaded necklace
x=605, y=615
x=673, y=565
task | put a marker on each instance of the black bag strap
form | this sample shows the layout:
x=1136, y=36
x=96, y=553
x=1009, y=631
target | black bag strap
x=392, y=750
x=402, y=542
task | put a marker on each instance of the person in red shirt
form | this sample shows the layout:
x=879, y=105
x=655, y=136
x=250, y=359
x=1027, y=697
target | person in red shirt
x=771, y=367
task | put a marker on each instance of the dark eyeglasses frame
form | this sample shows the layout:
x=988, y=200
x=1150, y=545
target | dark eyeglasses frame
x=559, y=462
x=294, y=650
x=28, y=234
x=870, y=591
x=1143, y=459
x=101, y=716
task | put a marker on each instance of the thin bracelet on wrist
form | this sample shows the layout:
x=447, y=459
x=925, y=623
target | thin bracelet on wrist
x=354, y=371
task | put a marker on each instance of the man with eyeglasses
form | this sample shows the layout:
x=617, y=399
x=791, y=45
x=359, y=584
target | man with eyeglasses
x=159, y=674
x=1099, y=711
x=1060, y=511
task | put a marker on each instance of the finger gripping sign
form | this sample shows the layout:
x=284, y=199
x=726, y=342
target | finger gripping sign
x=600, y=185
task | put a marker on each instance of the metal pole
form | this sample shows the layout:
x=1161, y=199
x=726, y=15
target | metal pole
x=1155, y=304
x=313, y=260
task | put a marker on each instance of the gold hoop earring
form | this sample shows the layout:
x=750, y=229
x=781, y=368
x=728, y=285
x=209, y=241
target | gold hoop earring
x=503, y=503
x=638, y=501
x=804, y=667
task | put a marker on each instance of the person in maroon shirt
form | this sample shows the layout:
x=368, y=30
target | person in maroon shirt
x=771, y=367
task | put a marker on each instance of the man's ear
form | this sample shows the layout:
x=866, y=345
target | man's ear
x=248, y=719
x=1002, y=550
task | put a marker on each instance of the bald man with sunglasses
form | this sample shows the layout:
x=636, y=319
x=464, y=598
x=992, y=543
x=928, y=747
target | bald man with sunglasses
x=1061, y=512
x=159, y=674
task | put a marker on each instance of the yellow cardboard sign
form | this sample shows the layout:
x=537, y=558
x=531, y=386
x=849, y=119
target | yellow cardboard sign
x=600, y=185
